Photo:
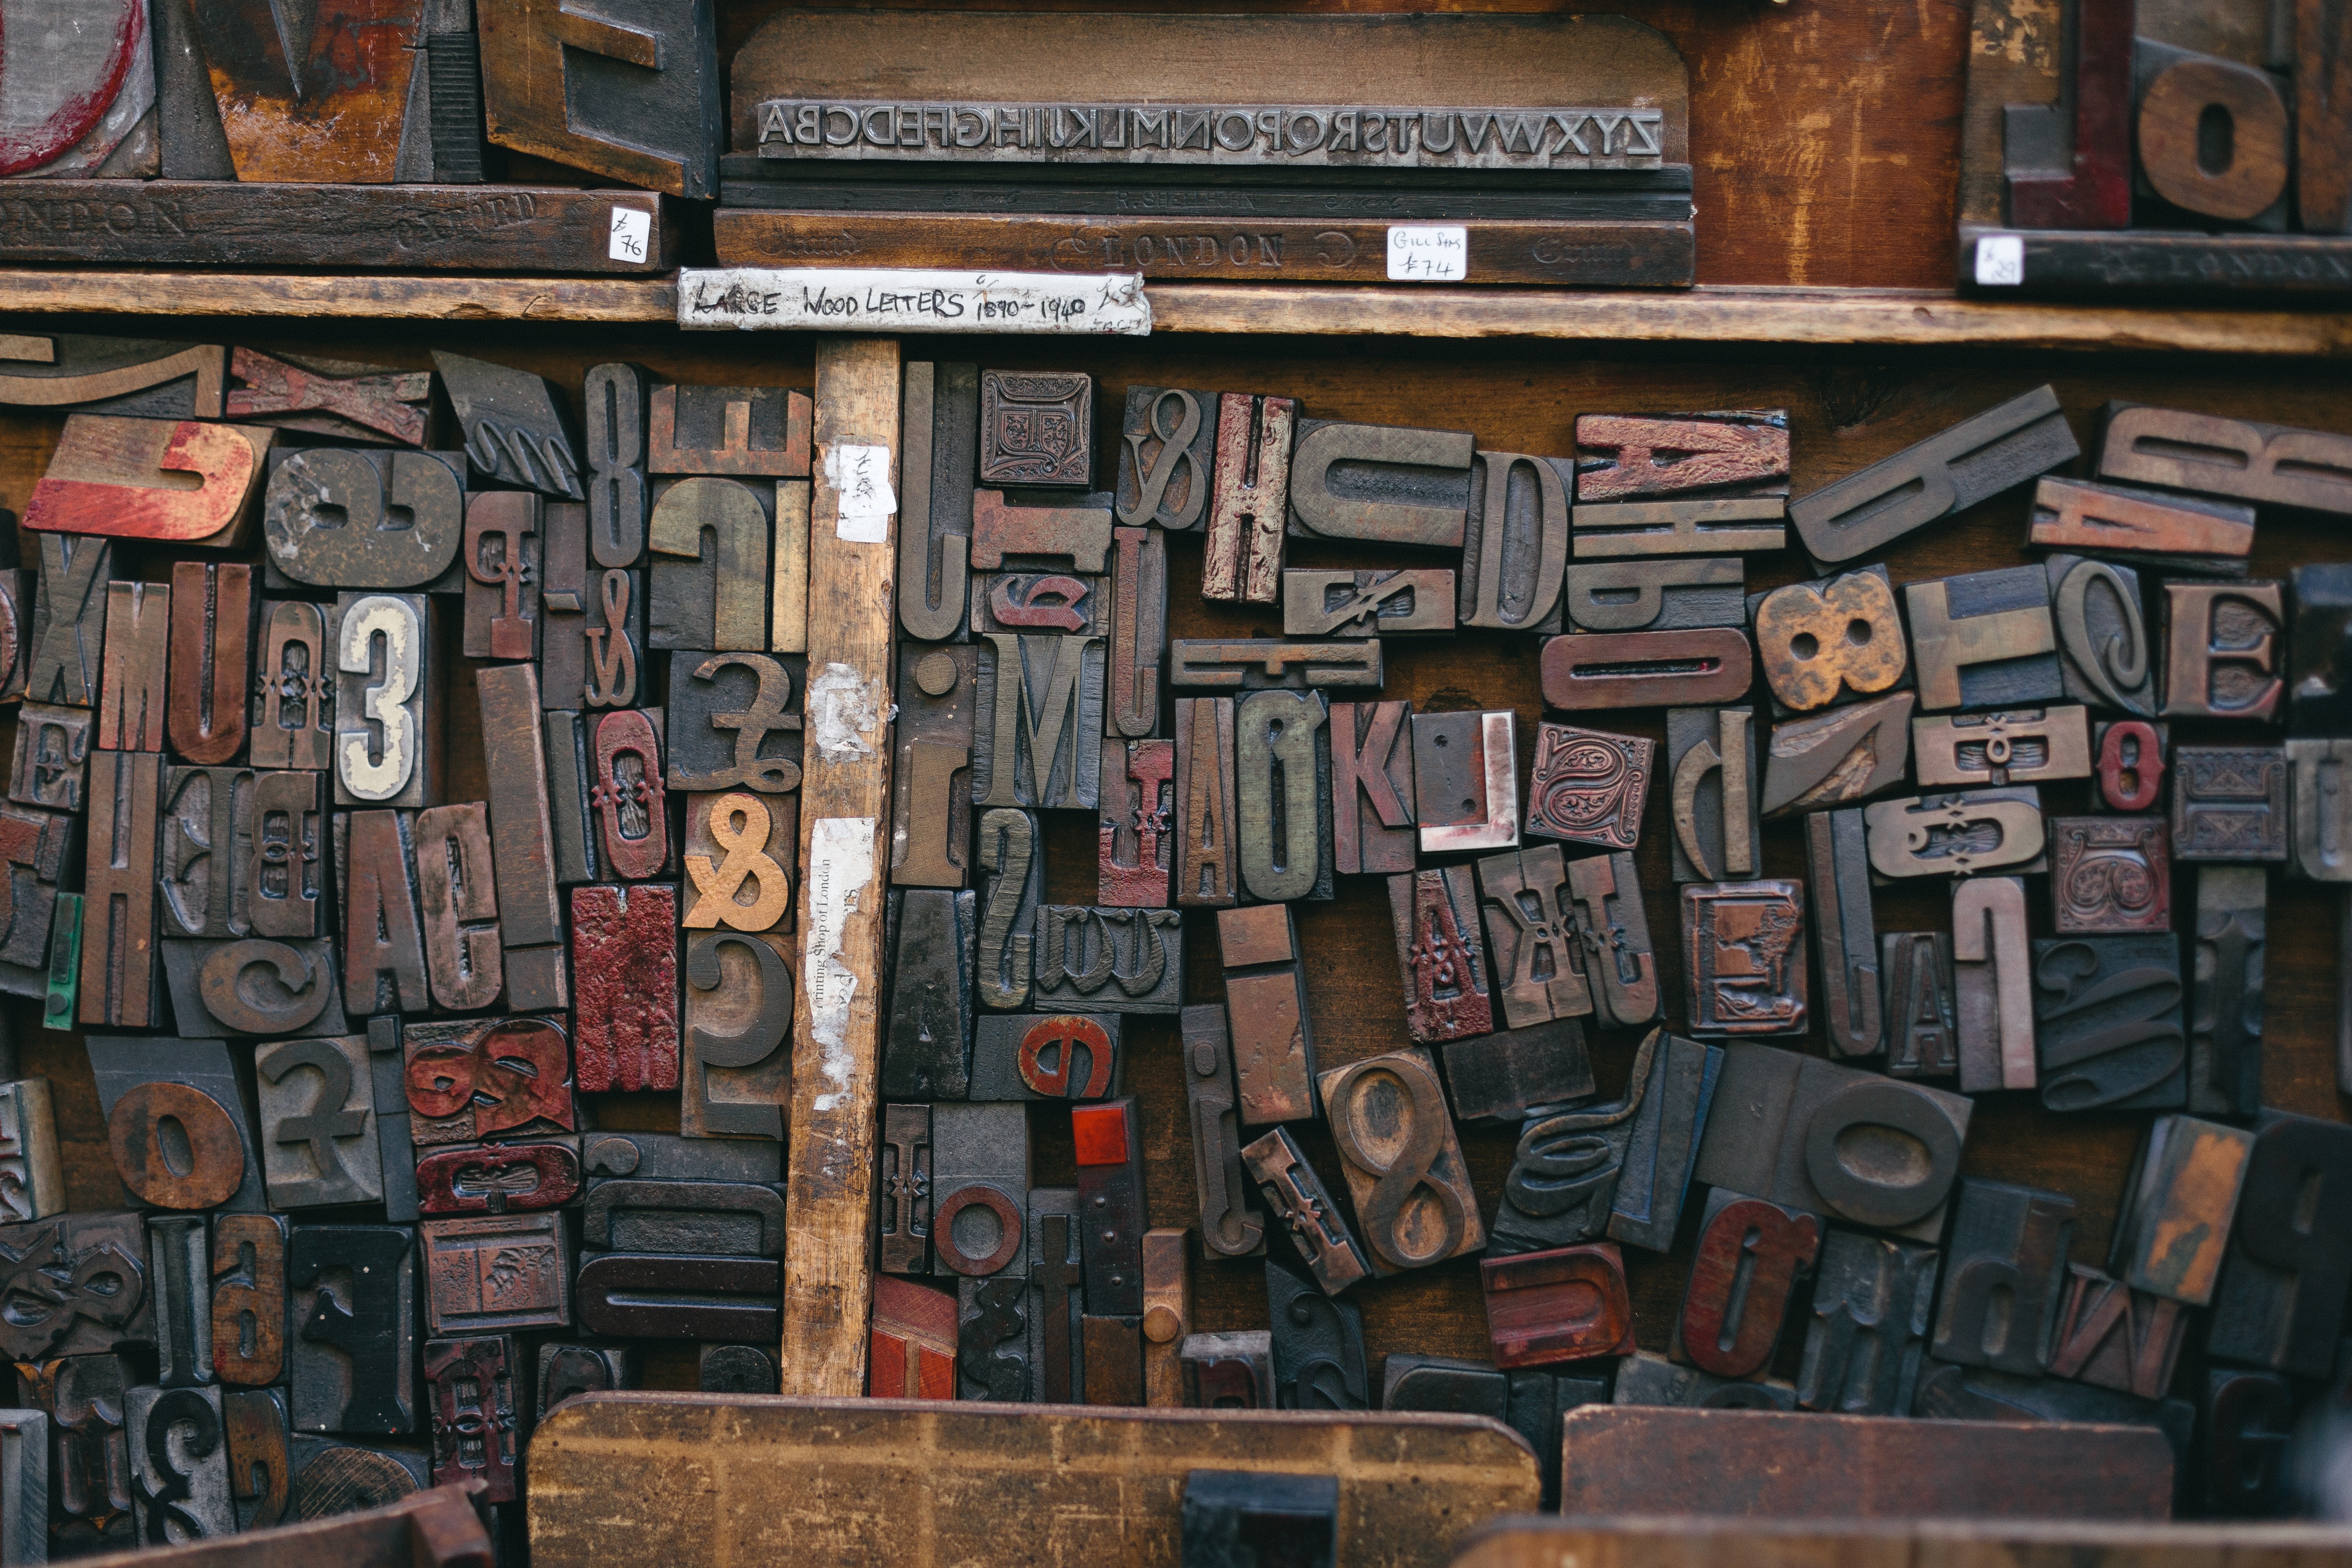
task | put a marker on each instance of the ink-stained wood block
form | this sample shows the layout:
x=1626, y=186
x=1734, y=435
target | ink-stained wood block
x=1929, y=480
x=1319, y=1341
x=1379, y=484
x=2248, y=1421
x=912, y=1345
x=106, y=477
x=2108, y=1023
x=1228, y=1371
x=2319, y=657
x=2173, y=1229
x=213, y=611
x=1957, y=834
x=904, y=1213
x=2270, y=464
x=1848, y=934
x=1466, y=780
x=2161, y=530
x=1037, y=710
x=384, y=943
x=2229, y=803
x=90, y=1504
x=2222, y=658
x=1167, y=444
x=1257, y=664
x=143, y=1083
x=180, y=1280
x=36, y=849
x=738, y=1033
x=1389, y=1116
x=1568, y=1304
x=2112, y=1336
x=1167, y=1312
x=51, y=757
x=132, y=695
x=1588, y=785
x=669, y=1157
x=1439, y=954
x=2283, y=1285
x=246, y=1291
x=1565, y=1168
x=388, y=717
x=395, y=1148
x=93, y=107
x=1710, y=526
x=744, y=431
x=58, y=1003
x=1242, y=546
x=531, y=919
x=518, y=428
x=1360, y=604
x=1738, y=453
x=592, y=642
x=120, y=979
x=179, y=1465
x=473, y=1386
x=1744, y=957
x=1750, y=1256
x=32, y=1180
x=1138, y=631
x=1040, y=602
x=1993, y=991
x=490, y=1273
x=631, y=813
x=708, y=1219
x=1646, y=670
x=939, y=423
x=1015, y=535
x=616, y=396
x=1839, y=638
x=1297, y=1195
x=1036, y=427
x=1655, y=1158
x=993, y=1360
x=706, y=582
x=1656, y=595
x=1109, y=1142
x=930, y=790
x=734, y=722
x=1136, y=850
x=2225, y=1017
x=1619, y=964
x=505, y=558
x=2067, y=164
x=457, y=902
x=1282, y=779
x=1414, y=1381
x=625, y=1008
x=1921, y=1010
x=1531, y=937
x=1057, y=1299
x=1053, y=1056
x=2104, y=644
x=739, y=848
x=343, y=518
x=1230, y=1227
x=2031, y=745
x=1516, y=542
x=565, y=1370
x=1207, y=825
x=68, y=620
x=1984, y=639
x=1711, y=753
x=630, y=94
x=2004, y=1278
x=980, y=1189
x=2130, y=765
x=335, y=1476
x=2110, y=874
x=207, y=852
x=475, y=1078
x=353, y=1305
x=329, y=398
x=293, y=719
x=1013, y=881
x=1107, y=960
x=317, y=1122
x=499, y=1178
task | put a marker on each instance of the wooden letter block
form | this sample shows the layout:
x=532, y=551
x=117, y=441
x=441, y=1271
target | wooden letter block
x=2319, y=670
x=1229, y=1371
x=2282, y=1288
x=2222, y=658
x=745, y=431
x=708, y=586
x=353, y=1311
x=119, y=977
x=212, y=626
x=1589, y=786
x=1750, y=1256
x=616, y=396
x=36, y=848
x=980, y=1189
x=1381, y=484
x=1619, y=963
x=2271, y=464
x=478, y=1078
x=133, y=698
x=207, y=846
x=2144, y=525
x=333, y=517
x=106, y=477
x=180, y=1464
x=1849, y=935
x=1656, y=596
x=68, y=620
x=287, y=827
x=1040, y=602
x=1985, y=640
x=565, y=1370
x=1921, y=1012
x=2174, y=1226
x=2109, y=1027
x=52, y=756
x=906, y=1184
x=1731, y=453
x=1532, y=939
x=472, y=1383
x=1570, y=1304
x=1040, y=536
x=1137, y=845
x=632, y=812
x=523, y=839
x=1297, y=1197
x=1957, y=834
x=624, y=1009
x=59, y=1001
x=2030, y=746
x=1371, y=788
x=928, y=1039
x=739, y=1022
x=2105, y=654
x=1995, y=996
x=1716, y=830
x=1466, y=781
x=912, y=1348
x=2130, y=767
x=1840, y=756
x=1744, y=957
x=82, y=1397
x=1229, y=1226
x=1871, y=1305
x=1282, y=774
x=248, y=1300
x=1403, y=1163
x=2068, y=163
x=1241, y=561
x=32, y=1181
x=211, y=1160
x=750, y=694
x=387, y=744
x=1646, y=528
x=2225, y=1018
x=253, y=987
x=383, y=944
x=2004, y=1276
x=592, y=630
x=1012, y=865
x=1841, y=637
x=940, y=421
x=1036, y=427
x=930, y=790
x=736, y=1369
x=1514, y=543
x=2112, y=1336
x=1037, y=708
x=459, y=906
x=1108, y=1139
x=1518, y=1073
x=1646, y=670
x=1435, y=915
x=632, y=95
x=1367, y=604
x=498, y=1178
x=1935, y=479
x=1057, y=1298
x=1138, y=629
x=1166, y=1313
x=518, y=432
x=1258, y=664
x=1208, y=839
x=1112, y=960
x=1169, y=440
x=1318, y=1342
x=1060, y=1056
x=317, y=1126
x=2229, y=803
x=504, y=555
x=495, y=1272
x=181, y=1280
x=293, y=719
x=2110, y=874
x=991, y=1345
x=107, y=1254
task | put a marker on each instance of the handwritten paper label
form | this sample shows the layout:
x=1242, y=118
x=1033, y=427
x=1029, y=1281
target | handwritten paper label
x=861, y=477
x=2001, y=261
x=633, y=233
x=843, y=709
x=1429, y=253
x=911, y=299
x=841, y=868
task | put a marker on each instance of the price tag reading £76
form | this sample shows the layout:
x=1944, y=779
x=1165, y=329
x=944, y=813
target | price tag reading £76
x=1429, y=253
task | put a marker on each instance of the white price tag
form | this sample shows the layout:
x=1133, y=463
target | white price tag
x=2001, y=261
x=633, y=233
x=1429, y=253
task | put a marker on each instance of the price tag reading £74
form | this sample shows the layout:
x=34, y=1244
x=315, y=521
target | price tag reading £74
x=1429, y=253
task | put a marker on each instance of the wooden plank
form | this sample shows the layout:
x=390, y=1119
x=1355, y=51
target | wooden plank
x=845, y=804
x=1671, y=1541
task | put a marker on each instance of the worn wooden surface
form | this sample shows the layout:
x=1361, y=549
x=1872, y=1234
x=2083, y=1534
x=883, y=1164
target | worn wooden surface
x=1931, y=1543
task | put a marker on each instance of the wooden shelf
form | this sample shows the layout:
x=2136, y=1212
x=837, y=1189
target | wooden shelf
x=1805, y=317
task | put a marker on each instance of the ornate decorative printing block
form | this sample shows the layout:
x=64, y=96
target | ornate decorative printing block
x=1435, y=914
x=1744, y=957
x=2222, y=658
x=1957, y=834
x=2229, y=803
x=2108, y=1023
x=2106, y=655
x=1036, y=427
x=1588, y=785
x=2110, y=874
x=2030, y=746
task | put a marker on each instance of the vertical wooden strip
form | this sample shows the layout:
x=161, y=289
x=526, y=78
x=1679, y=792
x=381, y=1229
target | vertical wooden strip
x=845, y=804
x=789, y=564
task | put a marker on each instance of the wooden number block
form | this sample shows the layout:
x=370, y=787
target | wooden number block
x=744, y=431
x=2283, y=1285
x=180, y=1464
x=356, y=403
x=2222, y=656
x=504, y=552
x=1531, y=937
x=1298, y=1198
x=1712, y=754
x=260, y=1467
x=2199, y=535
x=1012, y=880
x=1403, y=1163
x=1058, y=1056
x=1169, y=442
x=2110, y=874
x=565, y=1370
x=1257, y=664
x=133, y=697
x=1282, y=777
x=288, y=829
x=1589, y=786
x=2104, y=652
x=1565, y=1169
x=1036, y=427
x=1654, y=1170
x=1435, y=915
x=2029, y=746
x=32, y=1181
x=592, y=619
x=733, y=722
x=1921, y=1012
x=2004, y=1278
x=940, y=421
x=1840, y=756
x=1166, y=1313
x=930, y=815
x=207, y=851
x=473, y=1386
x=2229, y=803
x=1057, y=1299
x=1037, y=708
x=1781, y=1117
x=1515, y=541
x=2225, y=1018
x=1109, y=960
x=36, y=849
x=517, y=426
x=293, y=719
x=624, y=1012
x=253, y=986
x=91, y=1504
x=1744, y=957
x=2107, y=1010
x=494, y=1272
x=1656, y=595
x=1646, y=670
x=1750, y=1256
x=2130, y=765
x=980, y=1189
x=121, y=980
x=384, y=943
x=928, y=1036
x=1871, y=1299
x=1838, y=639
x=1518, y=1073
x=1318, y=1342
x=1993, y=991
x=1935, y=479
x=1070, y=538
x=1466, y=781
x=484, y=1078
x=179, y=1277
x=353, y=1305
x=1957, y=834
x=1620, y=965
x=912, y=1347
x=1367, y=602
x=1137, y=846
x=616, y=396
x=212, y=610
x=333, y=517
x=498, y=1178
x=1108, y=1140
x=211, y=1160
x=1039, y=602
x=2112, y=1336
x=129, y=478
x=2248, y=1419
x=523, y=839
x=993, y=1360
x=1228, y=1371
x=2271, y=464
x=1985, y=640
x=904, y=1210
x=1567, y=1304
x=739, y=849
x=68, y=620
x=1138, y=630
x=1849, y=935
x=1230, y=1227
x=459, y=906
x=737, y=1030
x=52, y=756
x=387, y=719
x=708, y=584
x=2173, y=1229
x=317, y=1122
x=1241, y=560
x=1379, y=484
x=2320, y=668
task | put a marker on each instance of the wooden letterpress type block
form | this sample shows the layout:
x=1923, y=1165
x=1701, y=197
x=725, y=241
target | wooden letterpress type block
x=1114, y=961
x=1137, y=840
x=1842, y=755
x=2249, y=1429
x=1012, y=880
x=738, y=1024
x=1058, y=1056
x=1138, y=630
x=1783, y=1117
x=707, y=584
x=2108, y=1023
x=1109, y=1146
x=517, y=430
x=32, y=1181
x=749, y=694
x=592, y=617
x=504, y=565
x=1565, y=1169
x=1750, y=1256
x=474, y=1386
x=490, y=1273
x=1056, y=1304
x=180, y=1464
x=1659, y=1152
x=687, y=1219
x=1991, y=965
x=1531, y=937
x=1656, y=595
x=104, y=478
x=2110, y=874
x=2225, y=1017
x=396, y=1149
x=1260, y=664
x=2174, y=1227
x=59, y=1004
x=1054, y=538
x=1282, y=772
x=1371, y=788
x=1466, y=781
x=180, y=1277
x=383, y=943
x=353, y=1307
x=1744, y=957
x=761, y=432
x=2068, y=163
x=616, y=396
x=1985, y=640
x=132, y=695
x=632, y=808
x=2131, y=766
x=1921, y=1013
x=624, y=1015
x=1409, y=1382
x=928, y=1034
x=211, y=638
x=260, y=1471
x=1250, y=1516
x=52, y=754
x=1588, y=785
x=459, y=909
x=1039, y=602
x=498, y=1178
x=213, y=1160
x=387, y=721
x=1241, y=561
x=36, y=848
x=355, y=403
x=1208, y=820
x=2222, y=658
x=980, y=1189
x=475, y=1079
x=1229, y=1226
x=2004, y=1277
x=294, y=690
x=633, y=99
x=2201, y=535
x=529, y=916
x=1228, y=1371
x=1114, y=1356
x=208, y=825
x=2229, y=803
x=1515, y=541
x=1871, y=1299
x=1646, y=1379
x=335, y=1476
x=905, y=1178
x=2029, y=746
x=334, y=517
x=1166, y=1313
x=663, y=1157
x=1389, y=1116
x=1295, y=1193
x=1849, y=935
x=2283, y=1288
x=128, y=375
x=1706, y=526
x=1379, y=483
x=317, y=1122
x=912, y=1347
x=90, y=1506
x=2319, y=658
x=940, y=424
x=120, y=979
x=1318, y=1342
x=1743, y=453
x=1717, y=828
x=68, y=620
x=2113, y=1336
x=1840, y=638
x=992, y=1360
x=2267, y=464
x=1935, y=479
x=285, y=822
x=1957, y=834
x=1518, y=1073
x=1367, y=602
x=930, y=794
x=1435, y=917
x=1038, y=707
x=1567, y=1304
x=2103, y=646
x=1646, y=670
x=1036, y=427
x=565, y=1370
x=1169, y=442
